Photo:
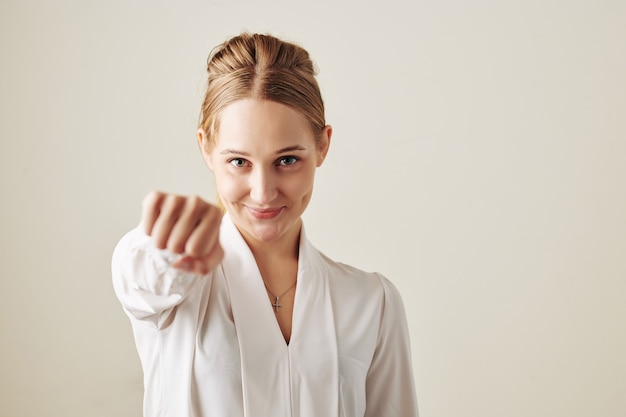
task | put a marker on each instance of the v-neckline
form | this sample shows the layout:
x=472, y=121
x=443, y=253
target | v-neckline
x=250, y=287
x=269, y=364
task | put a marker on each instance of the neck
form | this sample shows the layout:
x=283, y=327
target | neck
x=287, y=247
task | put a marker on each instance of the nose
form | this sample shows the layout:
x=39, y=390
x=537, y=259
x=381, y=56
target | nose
x=263, y=186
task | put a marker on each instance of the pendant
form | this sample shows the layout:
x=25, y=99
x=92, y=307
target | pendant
x=276, y=305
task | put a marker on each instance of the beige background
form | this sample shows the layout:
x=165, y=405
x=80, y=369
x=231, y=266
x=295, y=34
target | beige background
x=479, y=161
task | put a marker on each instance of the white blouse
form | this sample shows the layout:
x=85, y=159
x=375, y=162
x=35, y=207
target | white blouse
x=210, y=346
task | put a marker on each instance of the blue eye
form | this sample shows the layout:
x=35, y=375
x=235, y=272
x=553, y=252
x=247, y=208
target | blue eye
x=287, y=160
x=238, y=162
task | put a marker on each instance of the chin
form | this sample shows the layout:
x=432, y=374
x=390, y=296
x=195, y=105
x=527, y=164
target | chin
x=265, y=233
x=263, y=230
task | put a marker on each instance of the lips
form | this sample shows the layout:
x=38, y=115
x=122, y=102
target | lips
x=265, y=213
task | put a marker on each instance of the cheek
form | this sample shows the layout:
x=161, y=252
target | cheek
x=229, y=186
x=300, y=185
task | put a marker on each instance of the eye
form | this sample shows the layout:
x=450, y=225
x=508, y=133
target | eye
x=287, y=160
x=238, y=162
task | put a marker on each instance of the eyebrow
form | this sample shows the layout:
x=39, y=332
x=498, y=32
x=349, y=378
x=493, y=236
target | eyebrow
x=278, y=152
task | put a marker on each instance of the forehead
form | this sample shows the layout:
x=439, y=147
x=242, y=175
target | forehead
x=250, y=124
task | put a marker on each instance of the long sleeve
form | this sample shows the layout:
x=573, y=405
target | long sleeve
x=390, y=385
x=146, y=284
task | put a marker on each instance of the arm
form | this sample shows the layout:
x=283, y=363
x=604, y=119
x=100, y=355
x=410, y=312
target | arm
x=144, y=280
x=158, y=264
x=390, y=387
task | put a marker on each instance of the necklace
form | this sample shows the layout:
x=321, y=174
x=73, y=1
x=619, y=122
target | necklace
x=275, y=304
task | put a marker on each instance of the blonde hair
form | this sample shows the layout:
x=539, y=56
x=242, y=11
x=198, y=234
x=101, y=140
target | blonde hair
x=263, y=67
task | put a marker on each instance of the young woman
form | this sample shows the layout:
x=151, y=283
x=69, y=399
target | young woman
x=234, y=311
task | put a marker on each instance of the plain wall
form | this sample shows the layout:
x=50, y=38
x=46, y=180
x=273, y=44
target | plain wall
x=478, y=161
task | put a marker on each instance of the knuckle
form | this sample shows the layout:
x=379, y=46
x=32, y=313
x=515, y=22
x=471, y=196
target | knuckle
x=171, y=200
x=196, y=205
x=173, y=205
x=195, y=200
x=151, y=199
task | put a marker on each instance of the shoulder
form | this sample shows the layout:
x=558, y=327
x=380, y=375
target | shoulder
x=346, y=280
x=358, y=281
x=344, y=271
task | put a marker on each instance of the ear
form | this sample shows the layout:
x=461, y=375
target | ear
x=324, y=144
x=202, y=142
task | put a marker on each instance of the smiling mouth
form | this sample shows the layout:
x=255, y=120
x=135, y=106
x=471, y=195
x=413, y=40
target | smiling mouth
x=264, y=214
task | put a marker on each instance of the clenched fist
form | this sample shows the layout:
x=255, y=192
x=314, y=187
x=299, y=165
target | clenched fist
x=185, y=225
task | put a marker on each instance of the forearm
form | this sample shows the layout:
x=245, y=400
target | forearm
x=144, y=280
